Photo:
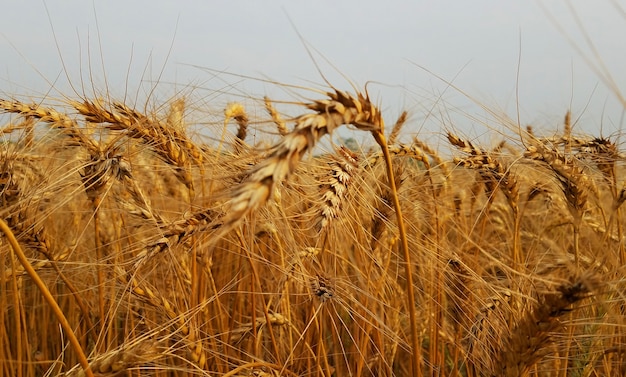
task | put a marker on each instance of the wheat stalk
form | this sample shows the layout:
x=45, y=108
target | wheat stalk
x=17, y=250
x=187, y=330
x=383, y=212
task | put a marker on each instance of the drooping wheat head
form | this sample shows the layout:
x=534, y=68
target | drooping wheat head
x=529, y=340
x=341, y=108
x=575, y=184
x=495, y=175
x=170, y=143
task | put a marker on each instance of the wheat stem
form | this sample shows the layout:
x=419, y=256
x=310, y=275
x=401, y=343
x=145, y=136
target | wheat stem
x=379, y=136
x=47, y=296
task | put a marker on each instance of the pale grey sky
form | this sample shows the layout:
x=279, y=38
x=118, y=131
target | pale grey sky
x=477, y=44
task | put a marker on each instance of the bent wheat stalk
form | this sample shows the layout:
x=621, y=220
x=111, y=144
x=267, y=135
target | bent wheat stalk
x=379, y=136
x=17, y=250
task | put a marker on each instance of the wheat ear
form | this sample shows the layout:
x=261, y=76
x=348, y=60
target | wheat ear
x=176, y=115
x=574, y=183
x=437, y=159
x=495, y=175
x=400, y=150
x=342, y=169
x=458, y=292
x=567, y=133
x=170, y=143
x=275, y=319
x=278, y=121
x=58, y=120
x=397, y=127
x=339, y=109
x=527, y=343
x=120, y=360
x=237, y=112
x=491, y=170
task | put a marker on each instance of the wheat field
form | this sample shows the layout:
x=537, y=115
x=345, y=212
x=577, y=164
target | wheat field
x=132, y=247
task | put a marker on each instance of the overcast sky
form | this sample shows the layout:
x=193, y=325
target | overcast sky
x=408, y=49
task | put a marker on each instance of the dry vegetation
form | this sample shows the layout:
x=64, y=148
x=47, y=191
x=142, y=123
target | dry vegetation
x=171, y=256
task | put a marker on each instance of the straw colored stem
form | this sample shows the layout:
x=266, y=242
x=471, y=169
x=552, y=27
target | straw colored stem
x=75, y=293
x=18, y=322
x=258, y=282
x=47, y=296
x=415, y=362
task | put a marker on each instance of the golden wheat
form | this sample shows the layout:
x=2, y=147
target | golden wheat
x=153, y=280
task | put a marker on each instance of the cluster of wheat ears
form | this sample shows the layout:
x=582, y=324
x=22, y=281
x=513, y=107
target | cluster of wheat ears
x=129, y=247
